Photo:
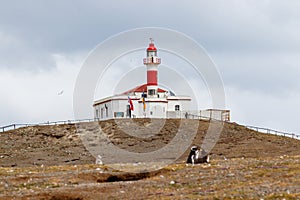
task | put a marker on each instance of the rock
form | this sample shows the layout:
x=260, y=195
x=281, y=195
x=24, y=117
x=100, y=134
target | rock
x=99, y=160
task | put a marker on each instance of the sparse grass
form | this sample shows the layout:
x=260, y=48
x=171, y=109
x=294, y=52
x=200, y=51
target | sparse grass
x=245, y=164
x=282, y=196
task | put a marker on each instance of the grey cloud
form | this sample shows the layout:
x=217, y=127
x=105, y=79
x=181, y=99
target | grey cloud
x=46, y=27
x=255, y=44
x=267, y=74
x=16, y=54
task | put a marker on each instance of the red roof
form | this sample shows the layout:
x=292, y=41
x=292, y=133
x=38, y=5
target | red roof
x=142, y=88
x=151, y=47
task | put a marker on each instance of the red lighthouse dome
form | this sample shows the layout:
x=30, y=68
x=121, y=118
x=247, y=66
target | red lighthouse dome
x=151, y=47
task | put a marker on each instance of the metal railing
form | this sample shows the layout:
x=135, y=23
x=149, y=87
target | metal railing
x=189, y=116
x=209, y=114
x=273, y=132
x=15, y=126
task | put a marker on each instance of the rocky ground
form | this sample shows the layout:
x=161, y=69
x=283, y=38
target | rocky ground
x=51, y=162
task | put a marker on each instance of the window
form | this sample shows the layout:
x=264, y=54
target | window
x=144, y=95
x=151, y=92
x=151, y=53
x=177, y=107
x=118, y=114
x=106, y=109
x=101, y=113
x=97, y=113
x=128, y=111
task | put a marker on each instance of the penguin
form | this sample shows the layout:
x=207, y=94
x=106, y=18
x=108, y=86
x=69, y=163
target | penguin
x=197, y=156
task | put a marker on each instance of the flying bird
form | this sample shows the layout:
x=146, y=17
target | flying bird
x=60, y=93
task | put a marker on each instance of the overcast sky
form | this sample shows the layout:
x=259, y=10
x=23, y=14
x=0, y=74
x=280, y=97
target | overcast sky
x=255, y=44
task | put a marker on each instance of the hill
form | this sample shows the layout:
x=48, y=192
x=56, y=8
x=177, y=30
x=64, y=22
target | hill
x=50, y=162
x=60, y=144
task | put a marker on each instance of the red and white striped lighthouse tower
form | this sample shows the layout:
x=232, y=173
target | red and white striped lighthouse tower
x=152, y=62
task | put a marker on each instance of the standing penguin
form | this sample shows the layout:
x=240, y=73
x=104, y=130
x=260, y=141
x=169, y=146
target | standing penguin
x=197, y=156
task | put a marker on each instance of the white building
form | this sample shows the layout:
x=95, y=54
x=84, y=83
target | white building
x=146, y=100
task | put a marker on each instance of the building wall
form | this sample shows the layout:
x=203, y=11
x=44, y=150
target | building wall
x=117, y=107
x=120, y=108
x=160, y=94
x=153, y=110
x=103, y=111
x=183, y=105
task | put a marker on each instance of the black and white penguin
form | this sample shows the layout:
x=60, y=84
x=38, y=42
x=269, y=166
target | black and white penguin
x=197, y=156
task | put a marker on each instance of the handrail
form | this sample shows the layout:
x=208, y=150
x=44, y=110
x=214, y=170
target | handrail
x=274, y=132
x=191, y=116
x=258, y=129
x=15, y=126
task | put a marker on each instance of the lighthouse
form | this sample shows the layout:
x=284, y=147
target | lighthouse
x=152, y=61
x=150, y=101
x=147, y=100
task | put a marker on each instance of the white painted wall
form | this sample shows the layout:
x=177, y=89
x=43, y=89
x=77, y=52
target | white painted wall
x=116, y=107
x=103, y=111
x=157, y=109
x=183, y=104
